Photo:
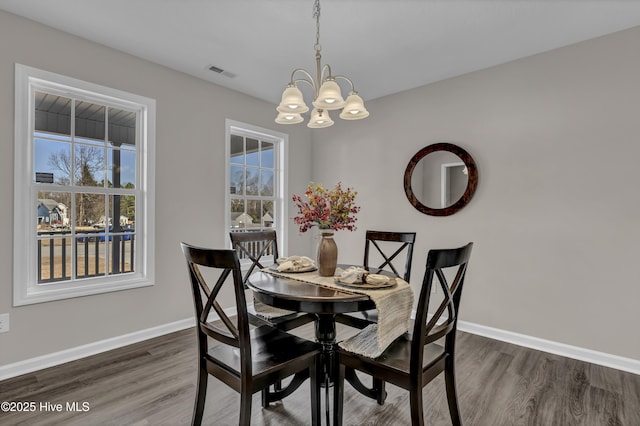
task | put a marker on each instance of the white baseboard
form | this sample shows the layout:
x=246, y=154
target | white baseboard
x=600, y=358
x=56, y=358
x=72, y=354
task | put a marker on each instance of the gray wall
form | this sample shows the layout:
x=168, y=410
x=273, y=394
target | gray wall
x=189, y=185
x=556, y=215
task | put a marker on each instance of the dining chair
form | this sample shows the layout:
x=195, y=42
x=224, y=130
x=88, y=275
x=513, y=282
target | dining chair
x=411, y=362
x=247, y=359
x=381, y=248
x=254, y=245
x=387, y=246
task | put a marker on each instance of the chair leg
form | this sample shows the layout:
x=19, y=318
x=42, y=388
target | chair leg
x=201, y=394
x=338, y=395
x=381, y=393
x=277, y=386
x=452, y=395
x=415, y=400
x=314, y=381
x=245, y=407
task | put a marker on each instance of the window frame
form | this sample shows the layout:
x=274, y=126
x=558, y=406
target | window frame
x=26, y=289
x=281, y=154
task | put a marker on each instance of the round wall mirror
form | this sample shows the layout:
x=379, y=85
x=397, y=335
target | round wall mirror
x=440, y=179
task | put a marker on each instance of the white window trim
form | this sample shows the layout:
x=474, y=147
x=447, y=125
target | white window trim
x=25, y=288
x=282, y=160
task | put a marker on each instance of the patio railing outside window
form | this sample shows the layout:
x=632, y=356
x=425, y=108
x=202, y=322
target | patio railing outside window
x=92, y=249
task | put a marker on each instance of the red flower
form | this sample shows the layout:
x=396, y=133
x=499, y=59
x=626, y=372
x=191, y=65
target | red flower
x=327, y=209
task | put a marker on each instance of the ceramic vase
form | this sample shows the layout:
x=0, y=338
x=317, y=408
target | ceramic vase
x=327, y=255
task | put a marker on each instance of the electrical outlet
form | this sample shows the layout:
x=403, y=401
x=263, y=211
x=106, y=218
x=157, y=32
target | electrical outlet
x=4, y=323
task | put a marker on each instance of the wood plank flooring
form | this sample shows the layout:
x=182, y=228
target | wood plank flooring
x=153, y=383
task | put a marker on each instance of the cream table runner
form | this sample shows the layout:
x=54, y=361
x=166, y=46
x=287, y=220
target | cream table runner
x=393, y=304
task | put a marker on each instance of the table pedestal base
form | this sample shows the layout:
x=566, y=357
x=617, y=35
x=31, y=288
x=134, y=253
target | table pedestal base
x=326, y=336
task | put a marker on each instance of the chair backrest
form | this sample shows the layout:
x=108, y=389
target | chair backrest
x=253, y=245
x=222, y=263
x=380, y=241
x=439, y=325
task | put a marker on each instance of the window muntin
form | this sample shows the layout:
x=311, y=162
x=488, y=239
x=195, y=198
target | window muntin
x=86, y=152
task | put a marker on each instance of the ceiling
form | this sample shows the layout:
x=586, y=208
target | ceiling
x=385, y=47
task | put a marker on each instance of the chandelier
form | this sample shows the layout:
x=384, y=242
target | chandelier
x=328, y=96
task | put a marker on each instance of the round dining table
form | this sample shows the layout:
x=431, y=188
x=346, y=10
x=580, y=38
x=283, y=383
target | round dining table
x=299, y=296
x=325, y=303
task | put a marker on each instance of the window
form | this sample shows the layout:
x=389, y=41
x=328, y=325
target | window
x=255, y=180
x=84, y=166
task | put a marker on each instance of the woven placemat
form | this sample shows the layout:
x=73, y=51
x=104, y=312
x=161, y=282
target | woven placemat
x=269, y=312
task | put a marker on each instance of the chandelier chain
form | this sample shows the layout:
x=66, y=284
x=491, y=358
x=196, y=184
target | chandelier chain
x=316, y=14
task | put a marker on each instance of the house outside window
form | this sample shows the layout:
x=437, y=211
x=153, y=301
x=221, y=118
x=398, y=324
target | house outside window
x=84, y=168
x=256, y=183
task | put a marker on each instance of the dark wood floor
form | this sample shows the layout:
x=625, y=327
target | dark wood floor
x=152, y=383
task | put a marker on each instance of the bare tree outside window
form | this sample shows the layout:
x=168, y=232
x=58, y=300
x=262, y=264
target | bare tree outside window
x=88, y=162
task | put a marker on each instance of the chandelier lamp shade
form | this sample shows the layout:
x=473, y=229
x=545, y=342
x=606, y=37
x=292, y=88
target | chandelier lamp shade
x=327, y=92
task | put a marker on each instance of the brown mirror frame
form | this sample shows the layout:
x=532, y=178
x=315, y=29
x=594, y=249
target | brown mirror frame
x=472, y=173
